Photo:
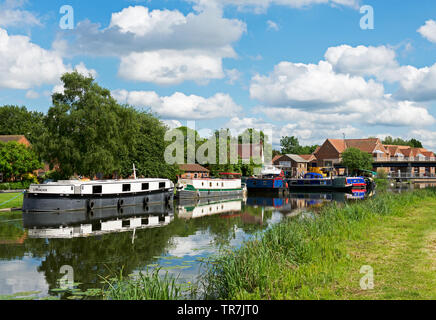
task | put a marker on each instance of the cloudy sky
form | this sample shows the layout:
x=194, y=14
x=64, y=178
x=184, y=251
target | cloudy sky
x=301, y=67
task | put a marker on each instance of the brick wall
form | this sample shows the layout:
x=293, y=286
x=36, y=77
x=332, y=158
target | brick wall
x=326, y=151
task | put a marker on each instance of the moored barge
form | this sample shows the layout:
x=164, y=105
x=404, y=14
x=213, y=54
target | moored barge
x=77, y=195
x=227, y=185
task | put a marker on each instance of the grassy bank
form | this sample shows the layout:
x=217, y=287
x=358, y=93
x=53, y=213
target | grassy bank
x=321, y=258
x=15, y=203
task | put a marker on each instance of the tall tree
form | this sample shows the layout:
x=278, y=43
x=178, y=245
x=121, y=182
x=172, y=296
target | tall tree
x=88, y=132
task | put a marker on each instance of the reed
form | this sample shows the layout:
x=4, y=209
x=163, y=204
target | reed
x=301, y=258
x=143, y=286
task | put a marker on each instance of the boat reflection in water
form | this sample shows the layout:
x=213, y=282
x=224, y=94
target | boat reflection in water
x=191, y=208
x=96, y=222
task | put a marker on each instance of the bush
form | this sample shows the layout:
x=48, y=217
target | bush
x=15, y=185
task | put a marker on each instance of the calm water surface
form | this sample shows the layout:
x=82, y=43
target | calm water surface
x=177, y=238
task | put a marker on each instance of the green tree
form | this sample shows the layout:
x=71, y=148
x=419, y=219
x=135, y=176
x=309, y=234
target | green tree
x=16, y=160
x=414, y=143
x=88, y=132
x=355, y=160
x=291, y=145
x=16, y=120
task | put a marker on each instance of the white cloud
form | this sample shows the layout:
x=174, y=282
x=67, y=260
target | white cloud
x=181, y=106
x=171, y=66
x=260, y=6
x=24, y=64
x=272, y=25
x=380, y=62
x=12, y=16
x=385, y=111
x=361, y=60
x=140, y=21
x=161, y=46
x=172, y=124
x=427, y=137
x=32, y=94
x=428, y=30
x=310, y=86
x=233, y=75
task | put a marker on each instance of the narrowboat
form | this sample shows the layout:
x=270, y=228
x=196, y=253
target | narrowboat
x=77, y=195
x=227, y=184
x=271, y=180
x=316, y=181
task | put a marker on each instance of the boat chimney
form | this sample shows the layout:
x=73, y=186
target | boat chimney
x=134, y=172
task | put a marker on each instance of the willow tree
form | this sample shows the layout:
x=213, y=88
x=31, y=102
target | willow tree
x=88, y=133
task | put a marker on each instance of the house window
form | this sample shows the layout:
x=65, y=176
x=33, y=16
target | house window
x=145, y=186
x=126, y=187
x=328, y=164
x=97, y=189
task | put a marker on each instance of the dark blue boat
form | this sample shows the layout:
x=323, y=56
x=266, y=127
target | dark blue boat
x=267, y=183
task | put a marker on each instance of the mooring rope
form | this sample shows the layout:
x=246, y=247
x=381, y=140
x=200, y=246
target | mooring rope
x=11, y=199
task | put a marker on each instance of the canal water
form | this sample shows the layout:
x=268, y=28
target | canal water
x=36, y=251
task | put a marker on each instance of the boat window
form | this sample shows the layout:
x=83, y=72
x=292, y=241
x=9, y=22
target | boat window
x=161, y=185
x=97, y=189
x=210, y=184
x=222, y=184
x=72, y=188
x=126, y=187
x=145, y=186
x=202, y=184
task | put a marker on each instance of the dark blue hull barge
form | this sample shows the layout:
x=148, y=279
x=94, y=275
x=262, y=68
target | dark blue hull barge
x=313, y=181
x=275, y=185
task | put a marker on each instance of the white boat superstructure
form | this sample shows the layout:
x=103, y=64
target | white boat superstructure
x=72, y=195
x=209, y=187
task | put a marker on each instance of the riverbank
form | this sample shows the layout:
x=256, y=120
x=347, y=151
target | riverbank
x=9, y=200
x=393, y=234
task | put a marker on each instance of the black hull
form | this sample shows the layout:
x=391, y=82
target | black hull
x=57, y=203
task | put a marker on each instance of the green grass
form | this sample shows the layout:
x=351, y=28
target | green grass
x=145, y=286
x=321, y=258
x=16, y=203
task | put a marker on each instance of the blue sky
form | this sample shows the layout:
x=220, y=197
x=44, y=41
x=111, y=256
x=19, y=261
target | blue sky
x=300, y=67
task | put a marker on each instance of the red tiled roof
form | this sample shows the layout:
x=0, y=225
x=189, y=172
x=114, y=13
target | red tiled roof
x=308, y=157
x=192, y=167
x=366, y=145
x=276, y=157
x=8, y=138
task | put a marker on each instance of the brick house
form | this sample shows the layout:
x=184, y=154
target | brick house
x=293, y=165
x=192, y=171
x=390, y=158
x=330, y=152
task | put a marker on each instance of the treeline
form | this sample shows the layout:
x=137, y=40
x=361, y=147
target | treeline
x=400, y=142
